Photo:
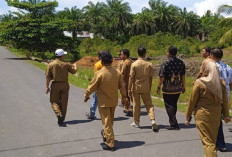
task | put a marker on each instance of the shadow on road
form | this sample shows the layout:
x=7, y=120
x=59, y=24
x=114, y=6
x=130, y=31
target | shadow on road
x=145, y=127
x=128, y=144
x=143, y=113
x=120, y=118
x=181, y=125
x=229, y=147
x=73, y=122
x=23, y=58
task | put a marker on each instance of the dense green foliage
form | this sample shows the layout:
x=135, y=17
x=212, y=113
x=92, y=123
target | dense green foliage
x=38, y=28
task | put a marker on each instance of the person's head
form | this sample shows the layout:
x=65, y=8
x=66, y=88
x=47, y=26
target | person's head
x=106, y=58
x=142, y=51
x=205, y=52
x=216, y=53
x=172, y=51
x=60, y=53
x=125, y=54
x=120, y=54
x=99, y=53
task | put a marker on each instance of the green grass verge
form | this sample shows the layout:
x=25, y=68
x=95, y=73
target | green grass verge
x=81, y=79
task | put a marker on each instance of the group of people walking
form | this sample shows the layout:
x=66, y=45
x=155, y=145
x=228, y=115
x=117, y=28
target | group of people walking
x=209, y=99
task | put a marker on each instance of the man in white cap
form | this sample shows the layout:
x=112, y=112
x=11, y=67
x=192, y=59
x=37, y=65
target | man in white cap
x=57, y=72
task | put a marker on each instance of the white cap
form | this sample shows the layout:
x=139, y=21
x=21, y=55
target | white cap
x=60, y=52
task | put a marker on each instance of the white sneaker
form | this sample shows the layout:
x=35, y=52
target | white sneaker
x=136, y=125
x=153, y=122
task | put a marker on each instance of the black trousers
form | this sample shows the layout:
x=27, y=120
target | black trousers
x=170, y=101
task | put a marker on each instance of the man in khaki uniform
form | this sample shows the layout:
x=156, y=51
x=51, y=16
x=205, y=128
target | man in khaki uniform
x=140, y=82
x=120, y=63
x=125, y=70
x=106, y=83
x=57, y=72
x=205, y=54
x=119, y=68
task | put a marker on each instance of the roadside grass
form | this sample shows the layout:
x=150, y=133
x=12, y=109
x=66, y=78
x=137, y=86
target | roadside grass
x=85, y=74
x=183, y=97
x=81, y=79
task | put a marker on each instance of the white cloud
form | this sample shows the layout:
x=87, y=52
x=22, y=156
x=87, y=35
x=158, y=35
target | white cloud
x=136, y=5
x=201, y=7
x=71, y=3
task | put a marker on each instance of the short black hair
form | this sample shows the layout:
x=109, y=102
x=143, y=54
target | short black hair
x=99, y=53
x=142, y=51
x=172, y=50
x=207, y=49
x=106, y=57
x=217, y=52
x=126, y=52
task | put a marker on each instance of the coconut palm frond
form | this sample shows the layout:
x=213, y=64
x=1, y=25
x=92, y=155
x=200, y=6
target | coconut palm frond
x=226, y=38
x=227, y=9
x=226, y=22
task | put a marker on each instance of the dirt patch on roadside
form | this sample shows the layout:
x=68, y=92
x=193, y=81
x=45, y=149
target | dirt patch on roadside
x=89, y=61
x=192, y=64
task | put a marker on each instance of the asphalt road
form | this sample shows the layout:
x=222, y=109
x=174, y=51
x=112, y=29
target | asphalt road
x=28, y=126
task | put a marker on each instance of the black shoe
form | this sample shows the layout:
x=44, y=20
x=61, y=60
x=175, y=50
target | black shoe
x=129, y=114
x=60, y=119
x=121, y=105
x=155, y=128
x=172, y=128
x=106, y=147
x=102, y=133
x=89, y=117
x=222, y=149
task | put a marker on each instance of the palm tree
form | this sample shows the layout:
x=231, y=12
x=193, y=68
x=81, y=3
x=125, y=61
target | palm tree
x=144, y=23
x=94, y=13
x=75, y=17
x=187, y=23
x=226, y=22
x=227, y=9
x=7, y=17
x=36, y=8
x=120, y=18
x=164, y=14
x=209, y=22
x=33, y=2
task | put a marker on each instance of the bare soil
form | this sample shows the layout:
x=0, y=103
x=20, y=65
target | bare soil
x=192, y=64
x=89, y=61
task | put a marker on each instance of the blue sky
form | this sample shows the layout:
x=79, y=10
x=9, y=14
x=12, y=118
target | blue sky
x=198, y=6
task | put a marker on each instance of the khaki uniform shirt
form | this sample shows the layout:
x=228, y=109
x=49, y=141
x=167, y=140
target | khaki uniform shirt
x=58, y=70
x=106, y=83
x=202, y=99
x=202, y=68
x=126, y=70
x=119, y=66
x=141, y=71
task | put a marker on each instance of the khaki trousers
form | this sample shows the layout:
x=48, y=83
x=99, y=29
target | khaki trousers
x=107, y=117
x=208, y=138
x=59, y=97
x=125, y=101
x=146, y=97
